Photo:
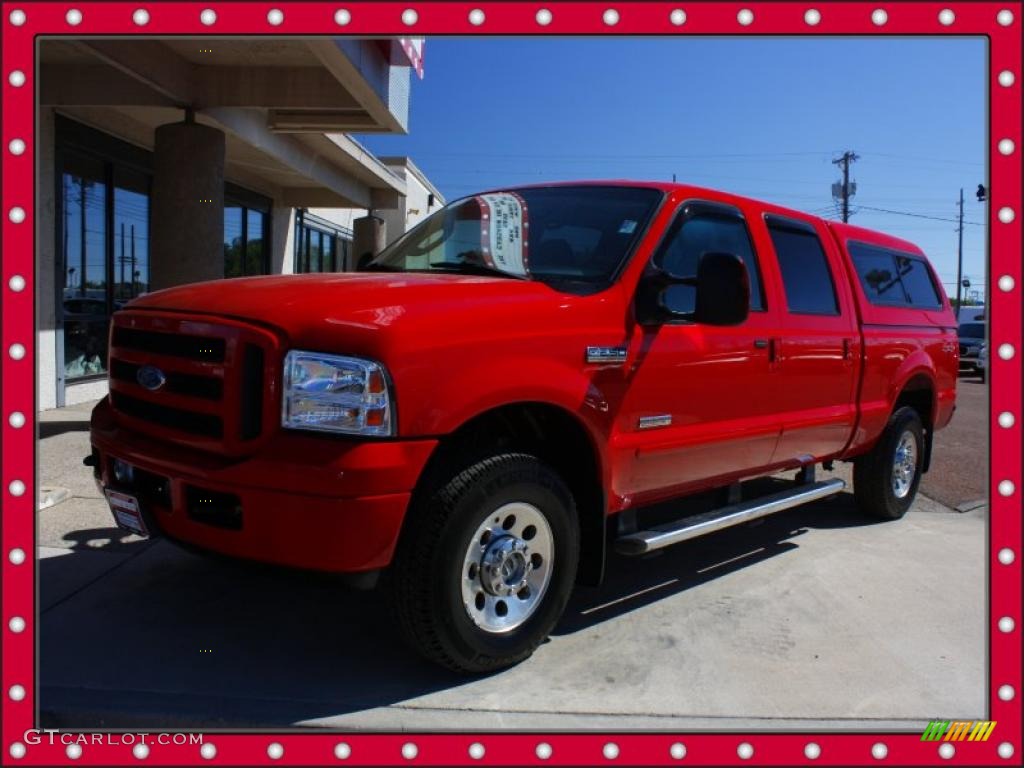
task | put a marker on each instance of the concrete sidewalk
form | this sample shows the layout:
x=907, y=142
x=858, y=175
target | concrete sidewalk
x=812, y=619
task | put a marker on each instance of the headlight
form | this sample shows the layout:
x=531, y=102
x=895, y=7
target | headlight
x=331, y=393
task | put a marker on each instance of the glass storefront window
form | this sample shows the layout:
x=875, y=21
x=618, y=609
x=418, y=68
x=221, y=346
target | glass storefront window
x=319, y=245
x=245, y=246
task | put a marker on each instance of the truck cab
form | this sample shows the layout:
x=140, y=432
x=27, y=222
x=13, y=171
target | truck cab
x=496, y=398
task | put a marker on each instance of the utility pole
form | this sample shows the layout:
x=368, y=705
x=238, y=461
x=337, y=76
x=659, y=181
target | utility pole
x=844, y=190
x=960, y=252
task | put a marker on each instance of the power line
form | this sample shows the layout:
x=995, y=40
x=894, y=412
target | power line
x=918, y=215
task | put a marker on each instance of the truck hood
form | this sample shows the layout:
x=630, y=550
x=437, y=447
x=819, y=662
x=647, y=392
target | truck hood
x=370, y=304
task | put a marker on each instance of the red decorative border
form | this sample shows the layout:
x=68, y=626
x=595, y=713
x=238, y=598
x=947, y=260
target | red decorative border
x=606, y=18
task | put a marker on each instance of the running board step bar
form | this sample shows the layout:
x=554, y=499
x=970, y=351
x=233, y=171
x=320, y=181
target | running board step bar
x=660, y=536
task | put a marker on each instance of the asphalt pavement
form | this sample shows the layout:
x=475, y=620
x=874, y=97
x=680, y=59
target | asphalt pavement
x=811, y=619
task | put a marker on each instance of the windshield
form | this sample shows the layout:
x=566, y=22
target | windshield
x=972, y=331
x=566, y=234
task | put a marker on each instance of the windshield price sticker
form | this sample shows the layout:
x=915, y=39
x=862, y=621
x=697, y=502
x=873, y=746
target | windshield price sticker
x=504, y=226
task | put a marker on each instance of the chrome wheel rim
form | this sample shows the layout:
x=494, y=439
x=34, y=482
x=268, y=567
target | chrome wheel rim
x=904, y=465
x=507, y=567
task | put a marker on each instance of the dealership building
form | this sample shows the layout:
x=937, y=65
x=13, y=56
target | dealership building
x=169, y=161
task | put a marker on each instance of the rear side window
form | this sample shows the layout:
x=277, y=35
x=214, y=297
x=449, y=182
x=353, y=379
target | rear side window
x=804, y=266
x=893, y=278
x=707, y=233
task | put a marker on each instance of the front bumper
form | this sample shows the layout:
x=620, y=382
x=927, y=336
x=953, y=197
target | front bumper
x=306, y=501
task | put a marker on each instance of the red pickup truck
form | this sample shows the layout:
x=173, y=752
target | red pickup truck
x=500, y=395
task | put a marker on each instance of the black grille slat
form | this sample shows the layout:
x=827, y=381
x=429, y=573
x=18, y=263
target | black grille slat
x=251, y=396
x=172, y=418
x=205, y=348
x=205, y=387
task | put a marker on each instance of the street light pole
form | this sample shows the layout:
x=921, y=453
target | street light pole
x=960, y=253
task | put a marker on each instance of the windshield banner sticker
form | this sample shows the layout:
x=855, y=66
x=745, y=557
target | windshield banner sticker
x=504, y=225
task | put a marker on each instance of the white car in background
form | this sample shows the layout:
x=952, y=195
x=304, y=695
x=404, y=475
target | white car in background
x=981, y=366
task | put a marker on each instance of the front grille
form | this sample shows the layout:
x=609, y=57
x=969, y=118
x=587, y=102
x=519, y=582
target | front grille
x=206, y=387
x=172, y=418
x=214, y=375
x=208, y=349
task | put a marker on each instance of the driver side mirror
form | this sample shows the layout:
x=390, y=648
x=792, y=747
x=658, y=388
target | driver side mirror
x=721, y=293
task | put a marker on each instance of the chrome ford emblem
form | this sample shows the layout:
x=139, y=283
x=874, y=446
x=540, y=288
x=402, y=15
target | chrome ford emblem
x=150, y=377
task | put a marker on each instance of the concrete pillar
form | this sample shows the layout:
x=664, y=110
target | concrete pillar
x=187, y=229
x=369, y=234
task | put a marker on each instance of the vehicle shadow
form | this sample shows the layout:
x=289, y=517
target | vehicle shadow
x=53, y=428
x=174, y=639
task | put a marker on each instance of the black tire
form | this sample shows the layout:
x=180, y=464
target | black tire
x=873, y=481
x=425, y=581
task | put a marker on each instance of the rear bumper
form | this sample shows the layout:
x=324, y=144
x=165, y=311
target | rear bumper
x=304, y=501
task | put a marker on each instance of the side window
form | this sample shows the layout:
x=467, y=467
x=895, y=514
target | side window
x=707, y=233
x=805, y=272
x=894, y=278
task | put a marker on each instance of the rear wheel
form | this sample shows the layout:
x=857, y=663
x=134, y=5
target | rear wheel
x=486, y=567
x=885, y=480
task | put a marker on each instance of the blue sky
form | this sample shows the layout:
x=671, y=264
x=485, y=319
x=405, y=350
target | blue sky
x=762, y=117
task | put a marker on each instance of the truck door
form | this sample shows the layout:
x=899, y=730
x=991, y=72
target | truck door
x=819, y=348
x=700, y=402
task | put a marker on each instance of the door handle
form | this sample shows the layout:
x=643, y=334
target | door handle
x=761, y=343
x=770, y=345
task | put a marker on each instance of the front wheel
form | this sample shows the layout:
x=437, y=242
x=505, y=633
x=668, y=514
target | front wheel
x=486, y=566
x=885, y=480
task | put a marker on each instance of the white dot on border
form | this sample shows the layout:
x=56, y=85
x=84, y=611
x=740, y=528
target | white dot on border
x=73, y=17
x=16, y=625
x=544, y=17
x=1006, y=78
x=879, y=751
x=342, y=751
x=1006, y=146
x=677, y=17
x=476, y=750
x=1006, y=692
x=140, y=751
x=946, y=17
x=17, y=17
x=16, y=283
x=1006, y=351
x=275, y=751
x=812, y=751
x=16, y=419
x=342, y=17
x=1006, y=625
x=17, y=147
x=1006, y=420
x=17, y=556
x=677, y=751
x=610, y=17
x=1006, y=556
x=17, y=750
x=208, y=17
x=1006, y=488
x=208, y=751
x=74, y=751
x=141, y=19
x=878, y=18
x=812, y=17
x=946, y=751
x=610, y=751
x=410, y=17
x=543, y=750
x=477, y=17
x=16, y=78
x=1006, y=283
x=17, y=351
x=1005, y=17
x=275, y=16
x=17, y=487
x=1005, y=750
x=1006, y=215
x=745, y=751
x=16, y=692
x=745, y=17
x=410, y=750
x=16, y=214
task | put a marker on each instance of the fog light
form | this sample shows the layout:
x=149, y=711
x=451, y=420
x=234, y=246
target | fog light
x=123, y=472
